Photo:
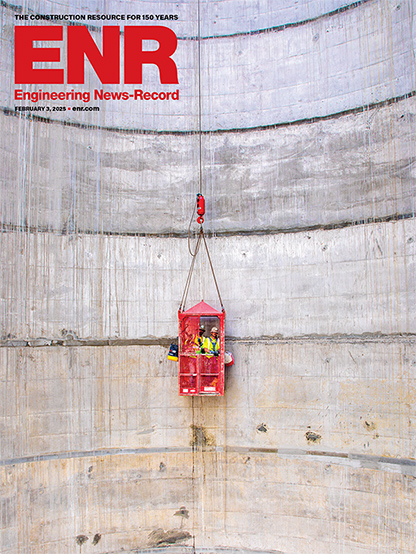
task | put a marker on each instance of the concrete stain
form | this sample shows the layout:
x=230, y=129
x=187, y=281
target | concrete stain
x=183, y=512
x=262, y=428
x=200, y=436
x=312, y=437
x=370, y=426
x=81, y=539
x=159, y=537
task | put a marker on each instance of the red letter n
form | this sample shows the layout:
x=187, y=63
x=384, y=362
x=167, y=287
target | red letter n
x=106, y=66
x=25, y=55
x=135, y=57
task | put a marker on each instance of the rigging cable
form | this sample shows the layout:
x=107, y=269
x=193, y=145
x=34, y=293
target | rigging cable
x=201, y=237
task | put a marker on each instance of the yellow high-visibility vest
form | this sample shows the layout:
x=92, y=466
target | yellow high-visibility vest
x=212, y=346
x=199, y=342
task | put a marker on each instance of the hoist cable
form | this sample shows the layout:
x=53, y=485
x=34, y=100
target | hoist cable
x=199, y=98
x=199, y=119
x=198, y=244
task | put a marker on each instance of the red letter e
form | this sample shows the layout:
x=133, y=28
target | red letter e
x=25, y=55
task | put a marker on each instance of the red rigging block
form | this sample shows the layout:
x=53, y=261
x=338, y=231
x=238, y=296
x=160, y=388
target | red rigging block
x=106, y=64
x=201, y=355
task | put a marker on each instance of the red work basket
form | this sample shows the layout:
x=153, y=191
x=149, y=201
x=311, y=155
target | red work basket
x=200, y=373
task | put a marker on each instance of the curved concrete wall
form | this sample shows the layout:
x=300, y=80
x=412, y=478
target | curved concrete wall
x=308, y=152
x=351, y=280
x=325, y=65
x=329, y=173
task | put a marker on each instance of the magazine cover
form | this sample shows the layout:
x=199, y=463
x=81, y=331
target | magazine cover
x=207, y=290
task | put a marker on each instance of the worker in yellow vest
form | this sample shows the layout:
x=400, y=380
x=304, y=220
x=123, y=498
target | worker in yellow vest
x=212, y=343
x=199, y=340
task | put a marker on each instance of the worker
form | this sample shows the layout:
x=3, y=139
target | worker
x=212, y=343
x=212, y=347
x=200, y=340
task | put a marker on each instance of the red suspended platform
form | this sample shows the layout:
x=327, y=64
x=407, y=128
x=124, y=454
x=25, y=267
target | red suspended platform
x=201, y=362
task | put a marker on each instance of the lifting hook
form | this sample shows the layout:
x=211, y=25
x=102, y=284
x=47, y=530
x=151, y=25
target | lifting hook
x=200, y=204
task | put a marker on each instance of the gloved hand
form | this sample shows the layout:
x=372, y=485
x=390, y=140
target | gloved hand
x=202, y=350
x=216, y=354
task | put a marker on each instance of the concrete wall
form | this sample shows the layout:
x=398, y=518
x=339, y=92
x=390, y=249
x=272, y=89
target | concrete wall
x=328, y=62
x=308, y=151
x=333, y=172
x=311, y=449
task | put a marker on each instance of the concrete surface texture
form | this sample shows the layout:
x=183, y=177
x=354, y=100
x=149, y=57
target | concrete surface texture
x=308, y=167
